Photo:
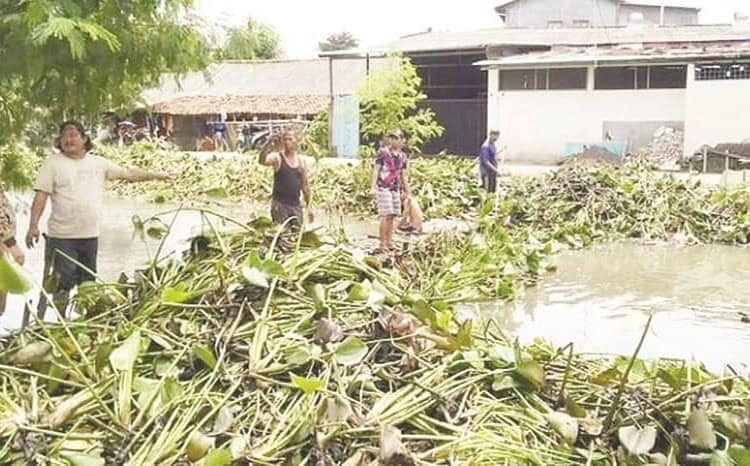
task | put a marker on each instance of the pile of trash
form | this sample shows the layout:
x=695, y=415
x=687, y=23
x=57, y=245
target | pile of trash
x=666, y=148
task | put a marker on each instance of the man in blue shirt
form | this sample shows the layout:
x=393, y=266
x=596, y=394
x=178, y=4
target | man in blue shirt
x=488, y=162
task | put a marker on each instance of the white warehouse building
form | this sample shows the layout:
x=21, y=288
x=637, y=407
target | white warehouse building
x=553, y=92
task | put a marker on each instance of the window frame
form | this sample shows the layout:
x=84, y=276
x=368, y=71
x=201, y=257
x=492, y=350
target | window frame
x=539, y=75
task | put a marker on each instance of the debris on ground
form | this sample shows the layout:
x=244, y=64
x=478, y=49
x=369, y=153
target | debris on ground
x=665, y=150
x=595, y=154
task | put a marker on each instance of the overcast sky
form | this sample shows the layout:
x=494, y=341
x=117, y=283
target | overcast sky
x=303, y=23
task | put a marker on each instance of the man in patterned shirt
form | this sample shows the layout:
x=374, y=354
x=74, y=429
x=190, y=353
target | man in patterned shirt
x=388, y=179
x=8, y=243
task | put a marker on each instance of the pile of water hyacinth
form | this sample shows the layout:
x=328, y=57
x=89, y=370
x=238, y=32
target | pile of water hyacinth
x=250, y=349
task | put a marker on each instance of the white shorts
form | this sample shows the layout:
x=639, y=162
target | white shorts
x=389, y=203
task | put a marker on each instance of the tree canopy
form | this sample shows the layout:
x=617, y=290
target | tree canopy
x=64, y=58
x=339, y=41
x=253, y=41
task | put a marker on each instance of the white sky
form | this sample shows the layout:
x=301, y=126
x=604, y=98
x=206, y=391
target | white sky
x=304, y=23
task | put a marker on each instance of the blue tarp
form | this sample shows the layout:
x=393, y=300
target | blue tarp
x=616, y=147
x=346, y=125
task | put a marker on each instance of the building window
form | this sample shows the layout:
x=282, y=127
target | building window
x=554, y=24
x=581, y=23
x=567, y=78
x=722, y=71
x=640, y=77
x=544, y=79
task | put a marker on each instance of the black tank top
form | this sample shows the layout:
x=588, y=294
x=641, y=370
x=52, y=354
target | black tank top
x=287, y=183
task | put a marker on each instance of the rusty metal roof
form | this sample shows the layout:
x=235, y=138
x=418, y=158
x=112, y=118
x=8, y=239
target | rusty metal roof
x=623, y=55
x=657, y=3
x=303, y=105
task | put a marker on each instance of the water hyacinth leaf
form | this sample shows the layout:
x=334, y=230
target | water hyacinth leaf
x=300, y=356
x=310, y=239
x=443, y=320
x=198, y=446
x=255, y=277
x=273, y=268
x=573, y=408
x=360, y=291
x=465, y=337
x=103, y=351
x=565, y=426
x=32, y=353
x=592, y=426
x=474, y=359
x=155, y=228
x=637, y=441
x=504, y=382
x=318, y=294
x=176, y=295
x=740, y=455
x=351, y=352
x=218, y=457
x=307, y=385
x=80, y=459
x=607, y=377
x=721, y=458
x=390, y=444
x=205, y=355
x=701, y=430
x=501, y=356
x=731, y=425
x=13, y=278
x=335, y=410
x=532, y=372
x=171, y=389
x=224, y=420
x=238, y=446
x=253, y=260
x=123, y=358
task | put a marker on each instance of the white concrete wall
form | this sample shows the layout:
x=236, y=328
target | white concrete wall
x=716, y=112
x=537, y=13
x=536, y=125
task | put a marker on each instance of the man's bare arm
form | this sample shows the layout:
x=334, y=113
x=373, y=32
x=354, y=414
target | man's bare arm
x=37, y=209
x=137, y=175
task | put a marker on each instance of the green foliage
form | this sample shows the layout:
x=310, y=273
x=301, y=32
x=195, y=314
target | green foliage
x=18, y=166
x=253, y=41
x=339, y=41
x=315, y=141
x=64, y=59
x=391, y=98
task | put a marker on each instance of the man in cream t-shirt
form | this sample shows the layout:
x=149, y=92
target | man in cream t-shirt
x=74, y=181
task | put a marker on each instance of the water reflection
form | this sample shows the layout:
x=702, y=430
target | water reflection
x=600, y=299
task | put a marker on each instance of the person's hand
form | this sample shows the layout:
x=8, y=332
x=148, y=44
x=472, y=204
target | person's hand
x=17, y=254
x=374, y=192
x=32, y=237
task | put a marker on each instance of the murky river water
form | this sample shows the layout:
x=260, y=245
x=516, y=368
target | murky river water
x=599, y=299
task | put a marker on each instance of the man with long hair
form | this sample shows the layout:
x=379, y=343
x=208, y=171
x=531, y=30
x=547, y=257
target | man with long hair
x=73, y=179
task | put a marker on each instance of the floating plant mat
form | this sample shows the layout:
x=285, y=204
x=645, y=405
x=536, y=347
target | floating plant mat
x=255, y=349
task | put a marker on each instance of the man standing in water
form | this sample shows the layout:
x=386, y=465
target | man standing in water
x=290, y=178
x=8, y=243
x=388, y=179
x=74, y=180
x=488, y=162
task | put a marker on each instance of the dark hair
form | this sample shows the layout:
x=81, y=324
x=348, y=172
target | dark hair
x=77, y=125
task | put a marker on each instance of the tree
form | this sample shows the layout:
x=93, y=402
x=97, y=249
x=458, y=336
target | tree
x=254, y=41
x=338, y=41
x=390, y=98
x=64, y=59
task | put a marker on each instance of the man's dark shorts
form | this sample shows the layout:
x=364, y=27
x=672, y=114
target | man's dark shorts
x=489, y=182
x=281, y=212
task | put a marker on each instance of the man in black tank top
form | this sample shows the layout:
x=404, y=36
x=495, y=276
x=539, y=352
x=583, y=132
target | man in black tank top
x=290, y=178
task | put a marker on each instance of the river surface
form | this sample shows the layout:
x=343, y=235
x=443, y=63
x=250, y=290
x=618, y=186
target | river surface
x=599, y=299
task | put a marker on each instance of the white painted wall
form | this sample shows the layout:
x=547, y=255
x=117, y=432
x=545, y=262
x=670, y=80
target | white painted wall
x=536, y=125
x=716, y=112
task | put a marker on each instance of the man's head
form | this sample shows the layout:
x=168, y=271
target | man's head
x=494, y=135
x=73, y=140
x=396, y=139
x=289, y=141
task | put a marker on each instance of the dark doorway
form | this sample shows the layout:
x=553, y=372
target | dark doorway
x=465, y=123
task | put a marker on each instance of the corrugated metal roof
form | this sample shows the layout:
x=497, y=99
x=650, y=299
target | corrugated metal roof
x=476, y=40
x=266, y=78
x=668, y=4
x=588, y=55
